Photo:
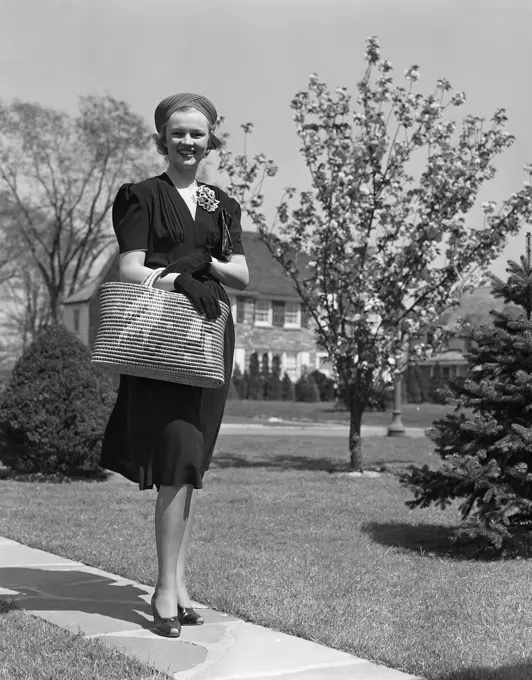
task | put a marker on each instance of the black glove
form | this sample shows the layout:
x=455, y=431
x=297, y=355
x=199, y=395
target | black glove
x=189, y=264
x=202, y=297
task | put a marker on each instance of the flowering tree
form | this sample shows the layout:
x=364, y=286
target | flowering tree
x=382, y=243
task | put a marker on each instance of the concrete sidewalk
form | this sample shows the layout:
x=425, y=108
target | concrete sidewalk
x=309, y=430
x=116, y=610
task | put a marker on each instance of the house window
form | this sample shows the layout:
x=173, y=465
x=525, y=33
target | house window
x=245, y=309
x=292, y=315
x=289, y=363
x=263, y=313
x=76, y=320
x=278, y=313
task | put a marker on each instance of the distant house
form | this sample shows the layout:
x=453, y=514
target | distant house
x=268, y=315
x=269, y=319
x=474, y=307
x=423, y=380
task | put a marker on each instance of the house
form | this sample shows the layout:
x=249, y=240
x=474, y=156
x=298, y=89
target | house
x=268, y=315
x=269, y=320
x=474, y=307
x=423, y=380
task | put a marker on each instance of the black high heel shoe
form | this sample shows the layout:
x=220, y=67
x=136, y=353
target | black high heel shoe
x=189, y=617
x=167, y=627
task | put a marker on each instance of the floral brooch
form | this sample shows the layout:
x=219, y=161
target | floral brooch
x=206, y=198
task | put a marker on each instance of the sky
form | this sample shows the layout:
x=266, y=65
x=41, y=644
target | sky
x=252, y=56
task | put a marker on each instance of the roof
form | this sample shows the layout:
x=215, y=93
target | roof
x=474, y=307
x=452, y=356
x=266, y=276
x=85, y=293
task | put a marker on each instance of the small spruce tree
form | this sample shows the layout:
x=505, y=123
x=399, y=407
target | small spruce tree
x=487, y=456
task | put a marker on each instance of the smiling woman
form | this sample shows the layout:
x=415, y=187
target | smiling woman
x=160, y=433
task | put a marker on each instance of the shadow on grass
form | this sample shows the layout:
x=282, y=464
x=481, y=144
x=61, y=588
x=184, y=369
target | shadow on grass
x=70, y=591
x=225, y=459
x=51, y=477
x=436, y=540
x=516, y=672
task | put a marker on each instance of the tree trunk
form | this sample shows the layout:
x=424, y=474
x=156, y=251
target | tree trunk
x=55, y=306
x=355, y=442
x=356, y=409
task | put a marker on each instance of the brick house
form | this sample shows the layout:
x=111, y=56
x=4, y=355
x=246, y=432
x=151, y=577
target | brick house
x=268, y=315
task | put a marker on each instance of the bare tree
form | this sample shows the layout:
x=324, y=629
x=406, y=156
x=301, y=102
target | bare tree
x=27, y=308
x=59, y=175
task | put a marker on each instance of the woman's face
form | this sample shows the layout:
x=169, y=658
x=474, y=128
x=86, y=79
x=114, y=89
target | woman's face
x=187, y=138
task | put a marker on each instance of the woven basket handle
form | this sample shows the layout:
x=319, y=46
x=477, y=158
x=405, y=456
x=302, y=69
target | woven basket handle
x=150, y=280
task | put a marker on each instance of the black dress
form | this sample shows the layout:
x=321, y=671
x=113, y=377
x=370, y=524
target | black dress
x=163, y=433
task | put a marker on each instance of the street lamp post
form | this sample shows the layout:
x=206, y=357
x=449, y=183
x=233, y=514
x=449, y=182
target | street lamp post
x=396, y=427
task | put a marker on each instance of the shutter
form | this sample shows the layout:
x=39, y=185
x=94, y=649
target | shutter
x=278, y=313
x=239, y=309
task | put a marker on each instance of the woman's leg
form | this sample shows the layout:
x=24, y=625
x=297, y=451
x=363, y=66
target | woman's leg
x=172, y=515
x=182, y=593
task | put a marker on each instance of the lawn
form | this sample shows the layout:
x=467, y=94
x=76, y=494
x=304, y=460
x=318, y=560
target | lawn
x=33, y=649
x=284, y=538
x=414, y=415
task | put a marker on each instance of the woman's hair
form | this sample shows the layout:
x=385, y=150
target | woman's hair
x=159, y=138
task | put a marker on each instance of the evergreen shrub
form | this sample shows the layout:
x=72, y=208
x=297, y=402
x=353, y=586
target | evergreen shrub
x=254, y=390
x=55, y=407
x=287, y=393
x=237, y=381
x=306, y=389
x=274, y=386
x=326, y=389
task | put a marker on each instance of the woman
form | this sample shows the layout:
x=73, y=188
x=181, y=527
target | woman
x=163, y=433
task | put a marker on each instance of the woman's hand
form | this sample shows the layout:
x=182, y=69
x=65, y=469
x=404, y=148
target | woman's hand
x=202, y=297
x=189, y=264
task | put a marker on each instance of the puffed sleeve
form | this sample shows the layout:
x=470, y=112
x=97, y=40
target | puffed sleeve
x=236, y=227
x=131, y=220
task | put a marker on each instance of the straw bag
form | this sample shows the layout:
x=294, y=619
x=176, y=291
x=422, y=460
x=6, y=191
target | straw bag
x=152, y=333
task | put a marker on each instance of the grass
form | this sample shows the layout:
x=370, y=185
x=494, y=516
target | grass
x=33, y=649
x=283, y=541
x=414, y=415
